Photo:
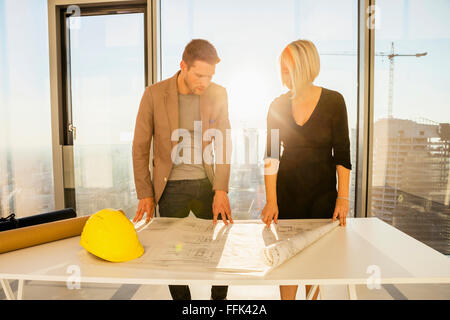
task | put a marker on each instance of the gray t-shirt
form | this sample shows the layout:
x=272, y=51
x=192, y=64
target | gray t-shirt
x=189, y=112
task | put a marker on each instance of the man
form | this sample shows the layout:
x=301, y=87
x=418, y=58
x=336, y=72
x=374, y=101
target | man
x=169, y=109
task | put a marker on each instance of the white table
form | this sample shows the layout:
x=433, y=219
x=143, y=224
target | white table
x=367, y=249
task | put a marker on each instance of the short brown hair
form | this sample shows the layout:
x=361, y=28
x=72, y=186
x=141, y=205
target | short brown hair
x=199, y=49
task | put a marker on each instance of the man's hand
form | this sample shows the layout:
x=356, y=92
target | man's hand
x=269, y=213
x=145, y=205
x=221, y=205
x=341, y=210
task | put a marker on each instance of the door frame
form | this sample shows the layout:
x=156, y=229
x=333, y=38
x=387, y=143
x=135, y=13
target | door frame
x=62, y=144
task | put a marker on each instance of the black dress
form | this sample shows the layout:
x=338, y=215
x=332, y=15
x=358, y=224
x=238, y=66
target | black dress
x=306, y=180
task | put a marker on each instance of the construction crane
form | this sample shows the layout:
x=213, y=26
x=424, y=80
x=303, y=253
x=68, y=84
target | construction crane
x=391, y=57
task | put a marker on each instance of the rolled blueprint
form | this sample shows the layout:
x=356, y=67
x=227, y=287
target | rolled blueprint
x=11, y=222
x=46, y=232
x=277, y=253
x=46, y=217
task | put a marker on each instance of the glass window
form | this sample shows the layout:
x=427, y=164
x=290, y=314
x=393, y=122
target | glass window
x=411, y=144
x=107, y=66
x=26, y=168
x=249, y=37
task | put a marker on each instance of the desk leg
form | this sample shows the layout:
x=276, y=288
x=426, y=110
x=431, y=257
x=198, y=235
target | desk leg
x=352, y=292
x=7, y=288
x=312, y=292
x=20, y=289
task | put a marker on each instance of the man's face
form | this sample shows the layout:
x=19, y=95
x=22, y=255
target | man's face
x=198, y=77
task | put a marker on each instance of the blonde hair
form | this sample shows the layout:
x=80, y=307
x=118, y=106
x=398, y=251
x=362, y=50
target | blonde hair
x=302, y=60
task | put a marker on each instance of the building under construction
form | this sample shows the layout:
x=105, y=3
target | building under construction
x=411, y=178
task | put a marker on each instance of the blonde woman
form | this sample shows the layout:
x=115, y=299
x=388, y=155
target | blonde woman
x=312, y=126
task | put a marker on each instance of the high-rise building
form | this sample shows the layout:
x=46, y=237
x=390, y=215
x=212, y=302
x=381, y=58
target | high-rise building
x=410, y=178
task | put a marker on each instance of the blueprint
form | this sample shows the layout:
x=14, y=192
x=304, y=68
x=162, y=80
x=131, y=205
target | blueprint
x=279, y=252
x=246, y=247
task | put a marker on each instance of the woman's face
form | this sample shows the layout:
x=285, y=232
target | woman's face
x=285, y=77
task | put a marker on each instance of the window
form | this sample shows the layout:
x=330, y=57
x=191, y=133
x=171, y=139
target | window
x=250, y=72
x=26, y=168
x=107, y=72
x=411, y=184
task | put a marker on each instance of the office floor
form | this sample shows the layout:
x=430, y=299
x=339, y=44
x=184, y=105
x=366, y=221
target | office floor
x=40, y=290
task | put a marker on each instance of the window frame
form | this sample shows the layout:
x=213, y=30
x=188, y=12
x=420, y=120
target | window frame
x=62, y=144
x=62, y=140
x=364, y=133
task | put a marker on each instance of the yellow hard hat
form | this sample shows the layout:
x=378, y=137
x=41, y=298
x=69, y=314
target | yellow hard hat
x=110, y=235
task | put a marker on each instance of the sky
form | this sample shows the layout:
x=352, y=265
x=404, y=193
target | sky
x=249, y=41
x=420, y=84
x=249, y=36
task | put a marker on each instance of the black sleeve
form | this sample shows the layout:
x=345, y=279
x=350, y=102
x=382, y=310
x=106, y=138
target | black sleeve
x=273, y=146
x=340, y=138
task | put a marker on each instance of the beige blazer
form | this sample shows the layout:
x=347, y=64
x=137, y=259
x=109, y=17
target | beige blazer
x=157, y=118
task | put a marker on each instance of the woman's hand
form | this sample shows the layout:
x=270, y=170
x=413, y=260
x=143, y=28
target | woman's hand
x=269, y=213
x=221, y=205
x=341, y=210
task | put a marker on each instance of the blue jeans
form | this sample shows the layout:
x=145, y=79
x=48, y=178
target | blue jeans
x=178, y=199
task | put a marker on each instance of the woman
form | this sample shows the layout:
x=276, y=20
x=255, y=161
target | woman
x=311, y=124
